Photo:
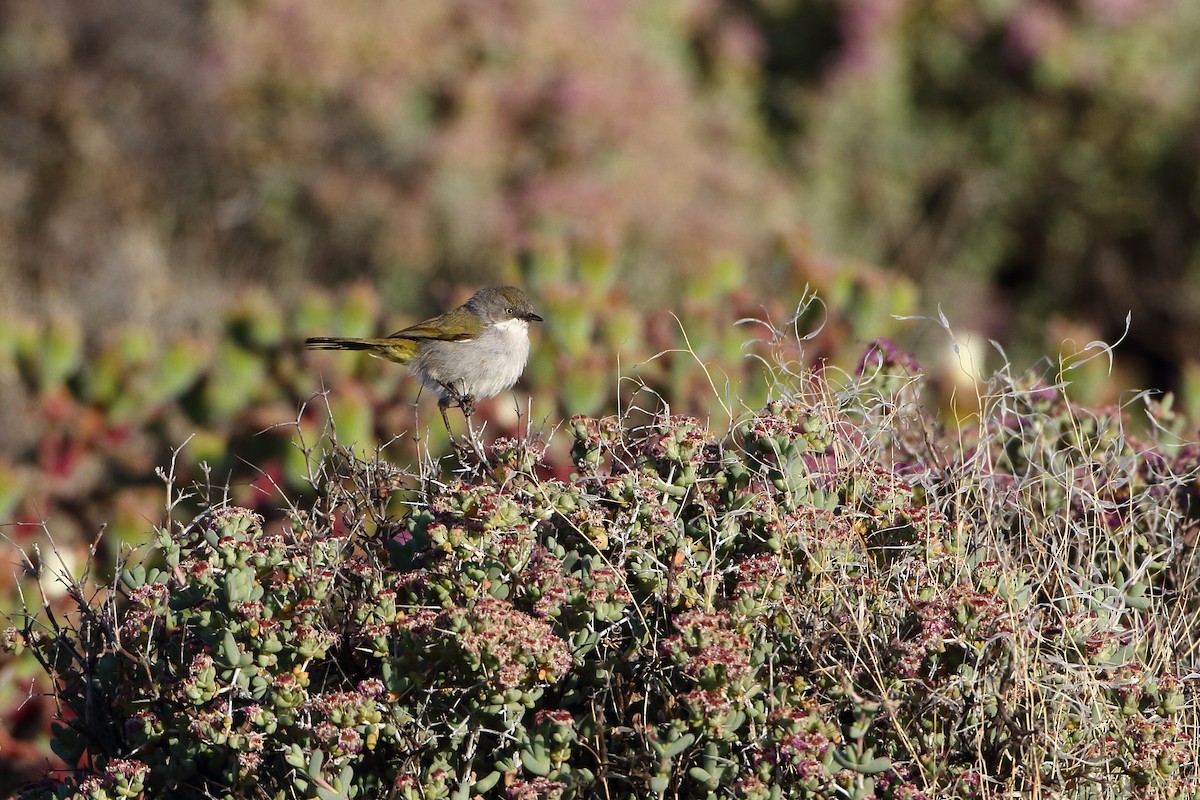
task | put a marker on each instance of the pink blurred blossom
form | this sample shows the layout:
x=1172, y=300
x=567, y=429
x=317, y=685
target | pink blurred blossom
x=1034, y=29
x=866, y=30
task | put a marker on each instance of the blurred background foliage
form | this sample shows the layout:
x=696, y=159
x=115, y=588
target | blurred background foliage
x=189, y=189
x=1021, y=161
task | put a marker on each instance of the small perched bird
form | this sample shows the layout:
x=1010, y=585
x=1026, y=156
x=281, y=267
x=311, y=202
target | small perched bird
x=475, y=351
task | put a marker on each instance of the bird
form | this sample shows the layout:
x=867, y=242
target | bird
x=470, y=353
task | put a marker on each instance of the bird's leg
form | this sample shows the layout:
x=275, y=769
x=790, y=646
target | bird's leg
x=467, y=403
x=468, y=408
x=452, y=396
x=443, y=404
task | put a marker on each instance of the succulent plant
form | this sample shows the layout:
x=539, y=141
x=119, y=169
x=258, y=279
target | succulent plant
x=797, y=608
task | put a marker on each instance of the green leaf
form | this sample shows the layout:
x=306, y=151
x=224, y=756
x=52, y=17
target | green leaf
x=61, y=352
x=315, y=762
x=1136, y=596
x=486, y=783
x=864, y=764
x=535, y=764
x=229, y=653
x=672, y=749
x=295, y=757
x=134, y=577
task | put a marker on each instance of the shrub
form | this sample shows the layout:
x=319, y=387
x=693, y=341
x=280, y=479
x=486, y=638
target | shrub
x=835, y=598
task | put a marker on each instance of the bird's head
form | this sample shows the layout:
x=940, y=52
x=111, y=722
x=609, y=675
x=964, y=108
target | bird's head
x=497, y=304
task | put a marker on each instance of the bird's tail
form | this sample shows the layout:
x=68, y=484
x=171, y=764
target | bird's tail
x=337, y=343
x=393, y=349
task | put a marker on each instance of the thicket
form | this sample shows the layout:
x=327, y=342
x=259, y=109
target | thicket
x=833, y=596
x=89, y=419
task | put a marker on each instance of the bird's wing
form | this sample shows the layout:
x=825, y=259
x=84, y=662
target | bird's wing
x=435, y=329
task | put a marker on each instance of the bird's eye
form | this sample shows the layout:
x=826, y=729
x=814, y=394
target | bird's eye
x=508, y=311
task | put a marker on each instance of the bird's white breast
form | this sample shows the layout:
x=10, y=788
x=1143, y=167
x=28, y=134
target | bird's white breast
x=481, y=367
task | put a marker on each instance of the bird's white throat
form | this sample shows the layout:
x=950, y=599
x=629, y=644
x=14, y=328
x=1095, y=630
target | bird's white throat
x=511, y=326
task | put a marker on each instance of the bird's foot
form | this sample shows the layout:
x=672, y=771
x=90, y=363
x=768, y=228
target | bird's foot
x=452, y=396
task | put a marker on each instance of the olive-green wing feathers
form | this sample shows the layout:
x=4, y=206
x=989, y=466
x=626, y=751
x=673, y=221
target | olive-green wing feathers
x=453, y=326
x=458, y=325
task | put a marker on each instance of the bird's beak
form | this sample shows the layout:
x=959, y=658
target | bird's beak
x=532, y=317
